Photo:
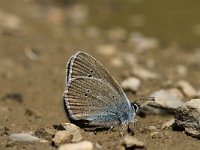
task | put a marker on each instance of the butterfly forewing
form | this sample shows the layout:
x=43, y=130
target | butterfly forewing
x=84, y=65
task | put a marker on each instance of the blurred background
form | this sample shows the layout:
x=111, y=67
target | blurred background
x=37, y=37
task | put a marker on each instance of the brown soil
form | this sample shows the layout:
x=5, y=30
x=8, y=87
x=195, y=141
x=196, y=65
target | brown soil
x=31, y=85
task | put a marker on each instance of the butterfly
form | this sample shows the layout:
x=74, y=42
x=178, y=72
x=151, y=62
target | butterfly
x=92, y=97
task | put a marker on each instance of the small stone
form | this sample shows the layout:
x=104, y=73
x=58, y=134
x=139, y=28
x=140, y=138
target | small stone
x=168, y=124
x=25, y=137
x=9, y=22
x=176, y=92
x=74, y=130
x=144, y=73
x=131, y=84
x=152, y=128
x=117, y=34
x=106, y=50
x=84, y=145
x=129, y=58
x=130, y=141
x=117, y=62
x=181, y=70
x=32, y=54
x=188, y=117
x=141, y=43
x=187, y=88
x=62, y=137
x=165, y=102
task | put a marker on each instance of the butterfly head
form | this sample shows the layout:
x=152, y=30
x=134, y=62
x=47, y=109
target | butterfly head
x=135, y=107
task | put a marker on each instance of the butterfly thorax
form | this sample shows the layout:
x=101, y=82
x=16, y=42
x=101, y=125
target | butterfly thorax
x=127, y=115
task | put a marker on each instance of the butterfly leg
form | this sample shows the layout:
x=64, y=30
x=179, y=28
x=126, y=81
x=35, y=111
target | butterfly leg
x=111, y=128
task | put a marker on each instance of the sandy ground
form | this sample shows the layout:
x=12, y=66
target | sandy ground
x=36, y=40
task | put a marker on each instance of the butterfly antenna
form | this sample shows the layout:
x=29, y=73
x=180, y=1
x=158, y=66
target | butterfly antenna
x=143, y=99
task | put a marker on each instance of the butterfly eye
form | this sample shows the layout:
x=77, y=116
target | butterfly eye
x=91, y=71
x=135, y=106
x=89, y=75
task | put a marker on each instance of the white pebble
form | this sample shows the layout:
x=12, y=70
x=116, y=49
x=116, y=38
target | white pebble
x=187, y=88
x=84, y=145
x=117, y=34
x=131, y=84
x=131, y=141
x=62, y=137
x=168, y=124
x=176, y=92
x=181, y=70
x=165, y=102
x=106, y=50
x=144, y=73
x=25, y=137
x=117, y=62
x=141, y=43
x=74, y=130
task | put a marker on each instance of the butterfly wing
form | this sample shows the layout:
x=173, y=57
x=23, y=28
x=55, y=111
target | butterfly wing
x=91, y=93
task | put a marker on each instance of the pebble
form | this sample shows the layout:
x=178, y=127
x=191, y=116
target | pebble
x=144, y=73
x=32, y=54
x=84, y=145
x=152, y=128
x=187, y=88
x=188, y=117
x=74, y=130
x=165, y=102
x=168, y=124
x=181, y=70
x=140, y=43
x=176, y=92
x=62, y=137
x=117, y=62
x=130, y=141
x=25, y=137
x=131, y=84
x=117, y=34
x=107, y=49
x=9, y=22
x=129, y=58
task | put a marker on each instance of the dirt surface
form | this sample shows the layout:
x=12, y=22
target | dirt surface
x=38, y=37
